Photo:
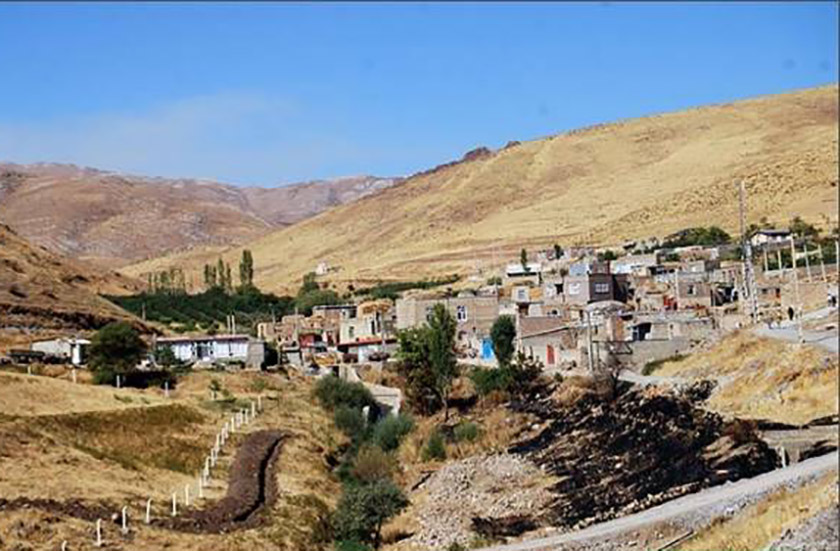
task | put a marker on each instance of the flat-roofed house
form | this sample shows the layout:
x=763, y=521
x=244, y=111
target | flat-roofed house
x=216, y=349
x=70, y=349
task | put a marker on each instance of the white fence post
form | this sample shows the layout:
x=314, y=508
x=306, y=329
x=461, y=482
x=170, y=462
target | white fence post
x=200, y=488
x=64, y=545
x=99, y=532
x=125, y=519
x=259, y=403
x=166, y=389
x=74, y=374
x=174, y=504
x=149, y=511
x=186, y=495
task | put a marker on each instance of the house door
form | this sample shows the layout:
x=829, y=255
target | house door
x=549, y=354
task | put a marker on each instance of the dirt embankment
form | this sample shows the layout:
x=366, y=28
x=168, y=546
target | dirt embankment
x=619, y=455
x=251, y=487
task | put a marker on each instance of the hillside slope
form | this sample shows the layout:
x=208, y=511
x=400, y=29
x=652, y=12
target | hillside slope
x=40, y=292
x=635, y=178
x=114, y=219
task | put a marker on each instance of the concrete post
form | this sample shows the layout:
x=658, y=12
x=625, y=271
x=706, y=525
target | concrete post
x=174, y=504
x=822, y=266
x=200, y=488
x=253, y=409
x=99, y=532
x=780, y=268
x=29, y=370
x=73, y=374
x=796, y=290
x=64, y=545
x=149, y=511
x=125, y=519
x=259, y=403
x=187, y=495
x=233, y=424
x=118, y=382
x=166, y=389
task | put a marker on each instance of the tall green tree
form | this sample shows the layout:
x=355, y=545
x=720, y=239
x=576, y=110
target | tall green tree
x=523, y=259
x=115, y=349
x=503, y=334
x=441, y=346
x=246, y=270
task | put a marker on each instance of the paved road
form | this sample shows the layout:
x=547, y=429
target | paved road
x=827, y=340
x=681, y=506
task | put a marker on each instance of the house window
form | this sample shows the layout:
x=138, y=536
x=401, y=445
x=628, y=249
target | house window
x=692, y=290
x=574, y=288
x=461, y=313
x=351, y=332
x=522, y=295
x=602, y=288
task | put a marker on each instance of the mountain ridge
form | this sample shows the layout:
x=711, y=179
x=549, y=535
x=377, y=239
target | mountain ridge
x=113, y=218
x=601, y=184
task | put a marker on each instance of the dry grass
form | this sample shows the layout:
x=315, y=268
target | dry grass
x=26, y=395
x=764, y=378
x=127, y=454
x=762, y=523
x=634, y=178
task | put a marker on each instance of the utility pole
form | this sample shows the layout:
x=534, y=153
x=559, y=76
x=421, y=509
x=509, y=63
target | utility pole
x=746, y=265
x=779, y=267
x=798, y=309
x=822, y=265
x=807, y=261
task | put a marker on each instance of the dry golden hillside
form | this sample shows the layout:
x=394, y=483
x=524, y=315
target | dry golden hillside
x=41, y=292
x=635, y=178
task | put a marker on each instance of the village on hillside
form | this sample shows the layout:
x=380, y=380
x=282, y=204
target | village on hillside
x=419, y=276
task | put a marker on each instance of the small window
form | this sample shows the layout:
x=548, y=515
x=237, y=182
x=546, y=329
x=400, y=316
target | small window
x=461, y=313
x=351, y=332
x=692, y=290
x=574, y=288
x=602, y=288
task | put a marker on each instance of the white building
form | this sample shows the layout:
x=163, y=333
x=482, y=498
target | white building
x=217, y=348
x=769, y=237
x=72, y=349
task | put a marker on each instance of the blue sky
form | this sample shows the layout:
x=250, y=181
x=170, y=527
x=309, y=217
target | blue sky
x=275, y=93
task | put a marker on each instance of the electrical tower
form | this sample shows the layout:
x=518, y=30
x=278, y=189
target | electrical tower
x=748, y=275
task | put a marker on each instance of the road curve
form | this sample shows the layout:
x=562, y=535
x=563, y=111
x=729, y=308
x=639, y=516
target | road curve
x=686, y=504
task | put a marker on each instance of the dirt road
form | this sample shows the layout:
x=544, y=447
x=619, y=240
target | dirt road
x=718, y=496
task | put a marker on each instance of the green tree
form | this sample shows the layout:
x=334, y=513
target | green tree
x=802, y=229
x=228, y=279
x=364, y=508
x=246, y=270
x=220, y=270
x=502, y=334
x=523, y=259
x=442, y=359
x=215, y=387
x=558, y=251
x=115, y=349
x=165, y=356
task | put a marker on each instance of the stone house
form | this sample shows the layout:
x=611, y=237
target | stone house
x=70, y=349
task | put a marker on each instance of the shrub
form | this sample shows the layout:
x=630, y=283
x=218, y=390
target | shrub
x=333, y=392
x=363, y=509
x=435, y=448
x=350, y=421
x=372, y=464
x=487, y=380
x=351, y=545
x=389, y=432
x=466, y=431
